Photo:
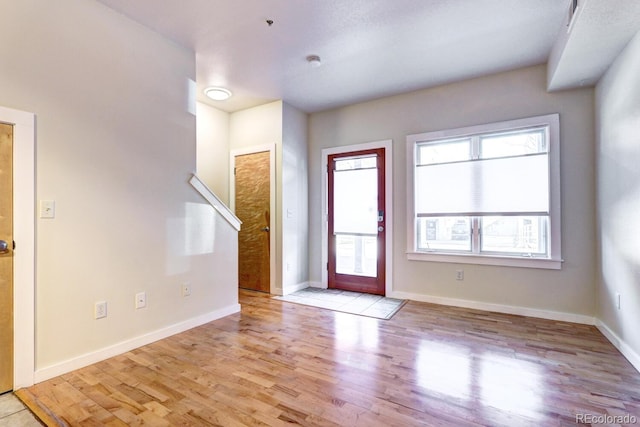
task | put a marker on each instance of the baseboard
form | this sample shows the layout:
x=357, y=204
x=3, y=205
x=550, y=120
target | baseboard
x=290, y=289
x=620, y=344
x=294, y=288
x=507, y=309
x=316, y=285
x=124, y=346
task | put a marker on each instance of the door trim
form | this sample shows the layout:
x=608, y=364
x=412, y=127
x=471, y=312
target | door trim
x=271, y=148
x=354, y=282
x=387, y=146
x=24, y=235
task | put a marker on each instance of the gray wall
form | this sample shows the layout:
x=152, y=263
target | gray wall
x=295, y=215
x=509, y=95
x=116, y=144
x=212, y=152
x=618, y=158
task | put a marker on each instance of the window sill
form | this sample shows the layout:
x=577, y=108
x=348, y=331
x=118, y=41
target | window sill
x=505, y=261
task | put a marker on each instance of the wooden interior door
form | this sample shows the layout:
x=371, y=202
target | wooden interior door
x=356, y=221
x=6, y=257
x=252, y=203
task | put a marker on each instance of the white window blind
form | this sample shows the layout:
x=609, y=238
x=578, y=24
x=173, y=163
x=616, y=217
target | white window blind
x=355, y=201
x=517, y=185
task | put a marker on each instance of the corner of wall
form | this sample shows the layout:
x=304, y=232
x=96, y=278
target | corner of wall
x=617, y=102
x=629, y=353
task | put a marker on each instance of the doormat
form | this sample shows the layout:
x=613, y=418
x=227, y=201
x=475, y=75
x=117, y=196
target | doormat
x=347, y=302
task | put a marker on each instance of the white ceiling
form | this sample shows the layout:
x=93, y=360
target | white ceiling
x=369, y=48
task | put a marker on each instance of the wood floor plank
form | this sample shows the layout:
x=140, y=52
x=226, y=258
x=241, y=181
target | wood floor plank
x=278, y=363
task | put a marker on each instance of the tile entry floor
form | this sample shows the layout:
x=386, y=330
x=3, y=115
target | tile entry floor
x=14, y=414
x=348, y=302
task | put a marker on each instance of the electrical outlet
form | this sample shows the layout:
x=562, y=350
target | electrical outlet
x=141, y=299
x=100, y=309
x=459, y=274
x=186, y=289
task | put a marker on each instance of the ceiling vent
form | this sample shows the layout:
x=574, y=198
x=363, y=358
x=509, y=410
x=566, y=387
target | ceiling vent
x=572, y=15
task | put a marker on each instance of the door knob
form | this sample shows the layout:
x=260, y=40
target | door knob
x=265, y=228
x=4, y=247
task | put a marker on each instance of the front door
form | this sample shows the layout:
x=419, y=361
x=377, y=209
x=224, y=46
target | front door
x=252, y=205
x=6, y=258
x=356, y=226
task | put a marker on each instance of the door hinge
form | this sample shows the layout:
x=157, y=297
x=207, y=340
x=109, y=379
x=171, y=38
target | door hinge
x=234, y=171
x=327, y=266
x=14, y=245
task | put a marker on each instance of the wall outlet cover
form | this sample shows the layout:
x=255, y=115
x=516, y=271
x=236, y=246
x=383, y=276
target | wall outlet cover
x=100, y=309
x=141, y=300
x=186, y=289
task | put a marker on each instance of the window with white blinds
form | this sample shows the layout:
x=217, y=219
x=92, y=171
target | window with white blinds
x=490, y=193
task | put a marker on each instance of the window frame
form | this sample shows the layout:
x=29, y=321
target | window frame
x=554, y=258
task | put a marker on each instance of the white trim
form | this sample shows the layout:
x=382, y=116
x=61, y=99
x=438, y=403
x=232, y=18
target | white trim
x=620, y=344
x=24, y=235
x=555, y=215
x=486, y=260
x=128, y=345
x=271, y=148
x=387, y=145
x=499, y=308
x=292, y=288
x=317, y=285
x=214, y=201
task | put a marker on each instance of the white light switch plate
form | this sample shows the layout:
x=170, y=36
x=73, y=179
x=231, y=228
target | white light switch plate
x=47, y=209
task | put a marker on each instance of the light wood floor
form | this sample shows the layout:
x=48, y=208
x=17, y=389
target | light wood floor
x=278, y=363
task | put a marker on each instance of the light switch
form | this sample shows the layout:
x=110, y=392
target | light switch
x=47, y=209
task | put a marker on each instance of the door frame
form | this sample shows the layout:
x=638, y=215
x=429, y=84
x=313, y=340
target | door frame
x=271, y=148
x=388, y=151
x=24, y=235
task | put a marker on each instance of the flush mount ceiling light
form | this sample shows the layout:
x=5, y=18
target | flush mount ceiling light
x=217, y=93
x=314, y=61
